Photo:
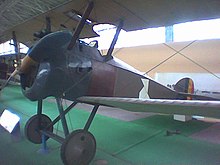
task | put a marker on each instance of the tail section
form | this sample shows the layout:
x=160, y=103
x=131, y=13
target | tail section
x=185, y=85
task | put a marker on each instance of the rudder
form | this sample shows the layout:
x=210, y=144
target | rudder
x=185, y=85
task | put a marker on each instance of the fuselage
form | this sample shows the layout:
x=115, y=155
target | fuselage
x=83, y=71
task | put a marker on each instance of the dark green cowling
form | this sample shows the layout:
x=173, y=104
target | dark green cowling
x=60, y=73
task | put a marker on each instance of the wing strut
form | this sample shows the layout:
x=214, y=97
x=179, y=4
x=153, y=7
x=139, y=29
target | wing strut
x=80, y=25
x=16, y=47
x=111, y=48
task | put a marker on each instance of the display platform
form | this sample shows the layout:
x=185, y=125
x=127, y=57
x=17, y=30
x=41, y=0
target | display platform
x=143, y=141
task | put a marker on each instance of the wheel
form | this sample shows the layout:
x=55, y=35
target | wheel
x=79, y=148
x=32, y=129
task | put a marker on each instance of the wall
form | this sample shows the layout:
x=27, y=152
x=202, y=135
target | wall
x=206, y=53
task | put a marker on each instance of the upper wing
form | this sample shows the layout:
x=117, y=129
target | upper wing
x=182, y=107
x=137, y=14
x=59, y=21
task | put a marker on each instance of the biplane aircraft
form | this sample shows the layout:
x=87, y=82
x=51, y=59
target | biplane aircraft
x=62, y=66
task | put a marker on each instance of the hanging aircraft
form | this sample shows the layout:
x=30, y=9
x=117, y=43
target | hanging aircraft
x=62, y=66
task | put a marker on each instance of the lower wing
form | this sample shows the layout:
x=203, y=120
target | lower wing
x=182, y=107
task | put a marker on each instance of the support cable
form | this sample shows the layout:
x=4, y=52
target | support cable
x=169, y=57
x=194, y=62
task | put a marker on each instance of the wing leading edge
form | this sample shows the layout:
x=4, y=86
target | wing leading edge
x=182, y=107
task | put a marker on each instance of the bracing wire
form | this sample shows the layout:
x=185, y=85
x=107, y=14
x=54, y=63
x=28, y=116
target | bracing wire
x=176, y=52
x=179, y=52
x=194, y=62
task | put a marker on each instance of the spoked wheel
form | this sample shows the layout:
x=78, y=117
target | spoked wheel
x=79, y=148
x=32, y=129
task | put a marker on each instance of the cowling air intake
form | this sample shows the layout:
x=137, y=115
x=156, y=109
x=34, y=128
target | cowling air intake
x=42, y=81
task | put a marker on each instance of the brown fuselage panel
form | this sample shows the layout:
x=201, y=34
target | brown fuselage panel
x=102, y=79
x=127, y=84
x=157, y=91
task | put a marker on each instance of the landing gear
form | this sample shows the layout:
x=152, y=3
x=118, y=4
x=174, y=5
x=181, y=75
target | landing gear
x=34, y=126
x=79, y=148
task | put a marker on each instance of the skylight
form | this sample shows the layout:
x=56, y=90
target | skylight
x=197, y=30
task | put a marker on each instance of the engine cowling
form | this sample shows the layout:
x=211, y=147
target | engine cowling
x=43, y=81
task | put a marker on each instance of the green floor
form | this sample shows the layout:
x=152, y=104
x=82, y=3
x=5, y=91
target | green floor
x=141, y=142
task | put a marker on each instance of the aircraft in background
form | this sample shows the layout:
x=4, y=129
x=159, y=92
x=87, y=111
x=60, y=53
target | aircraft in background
x=8, y=63
x=68, y=68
